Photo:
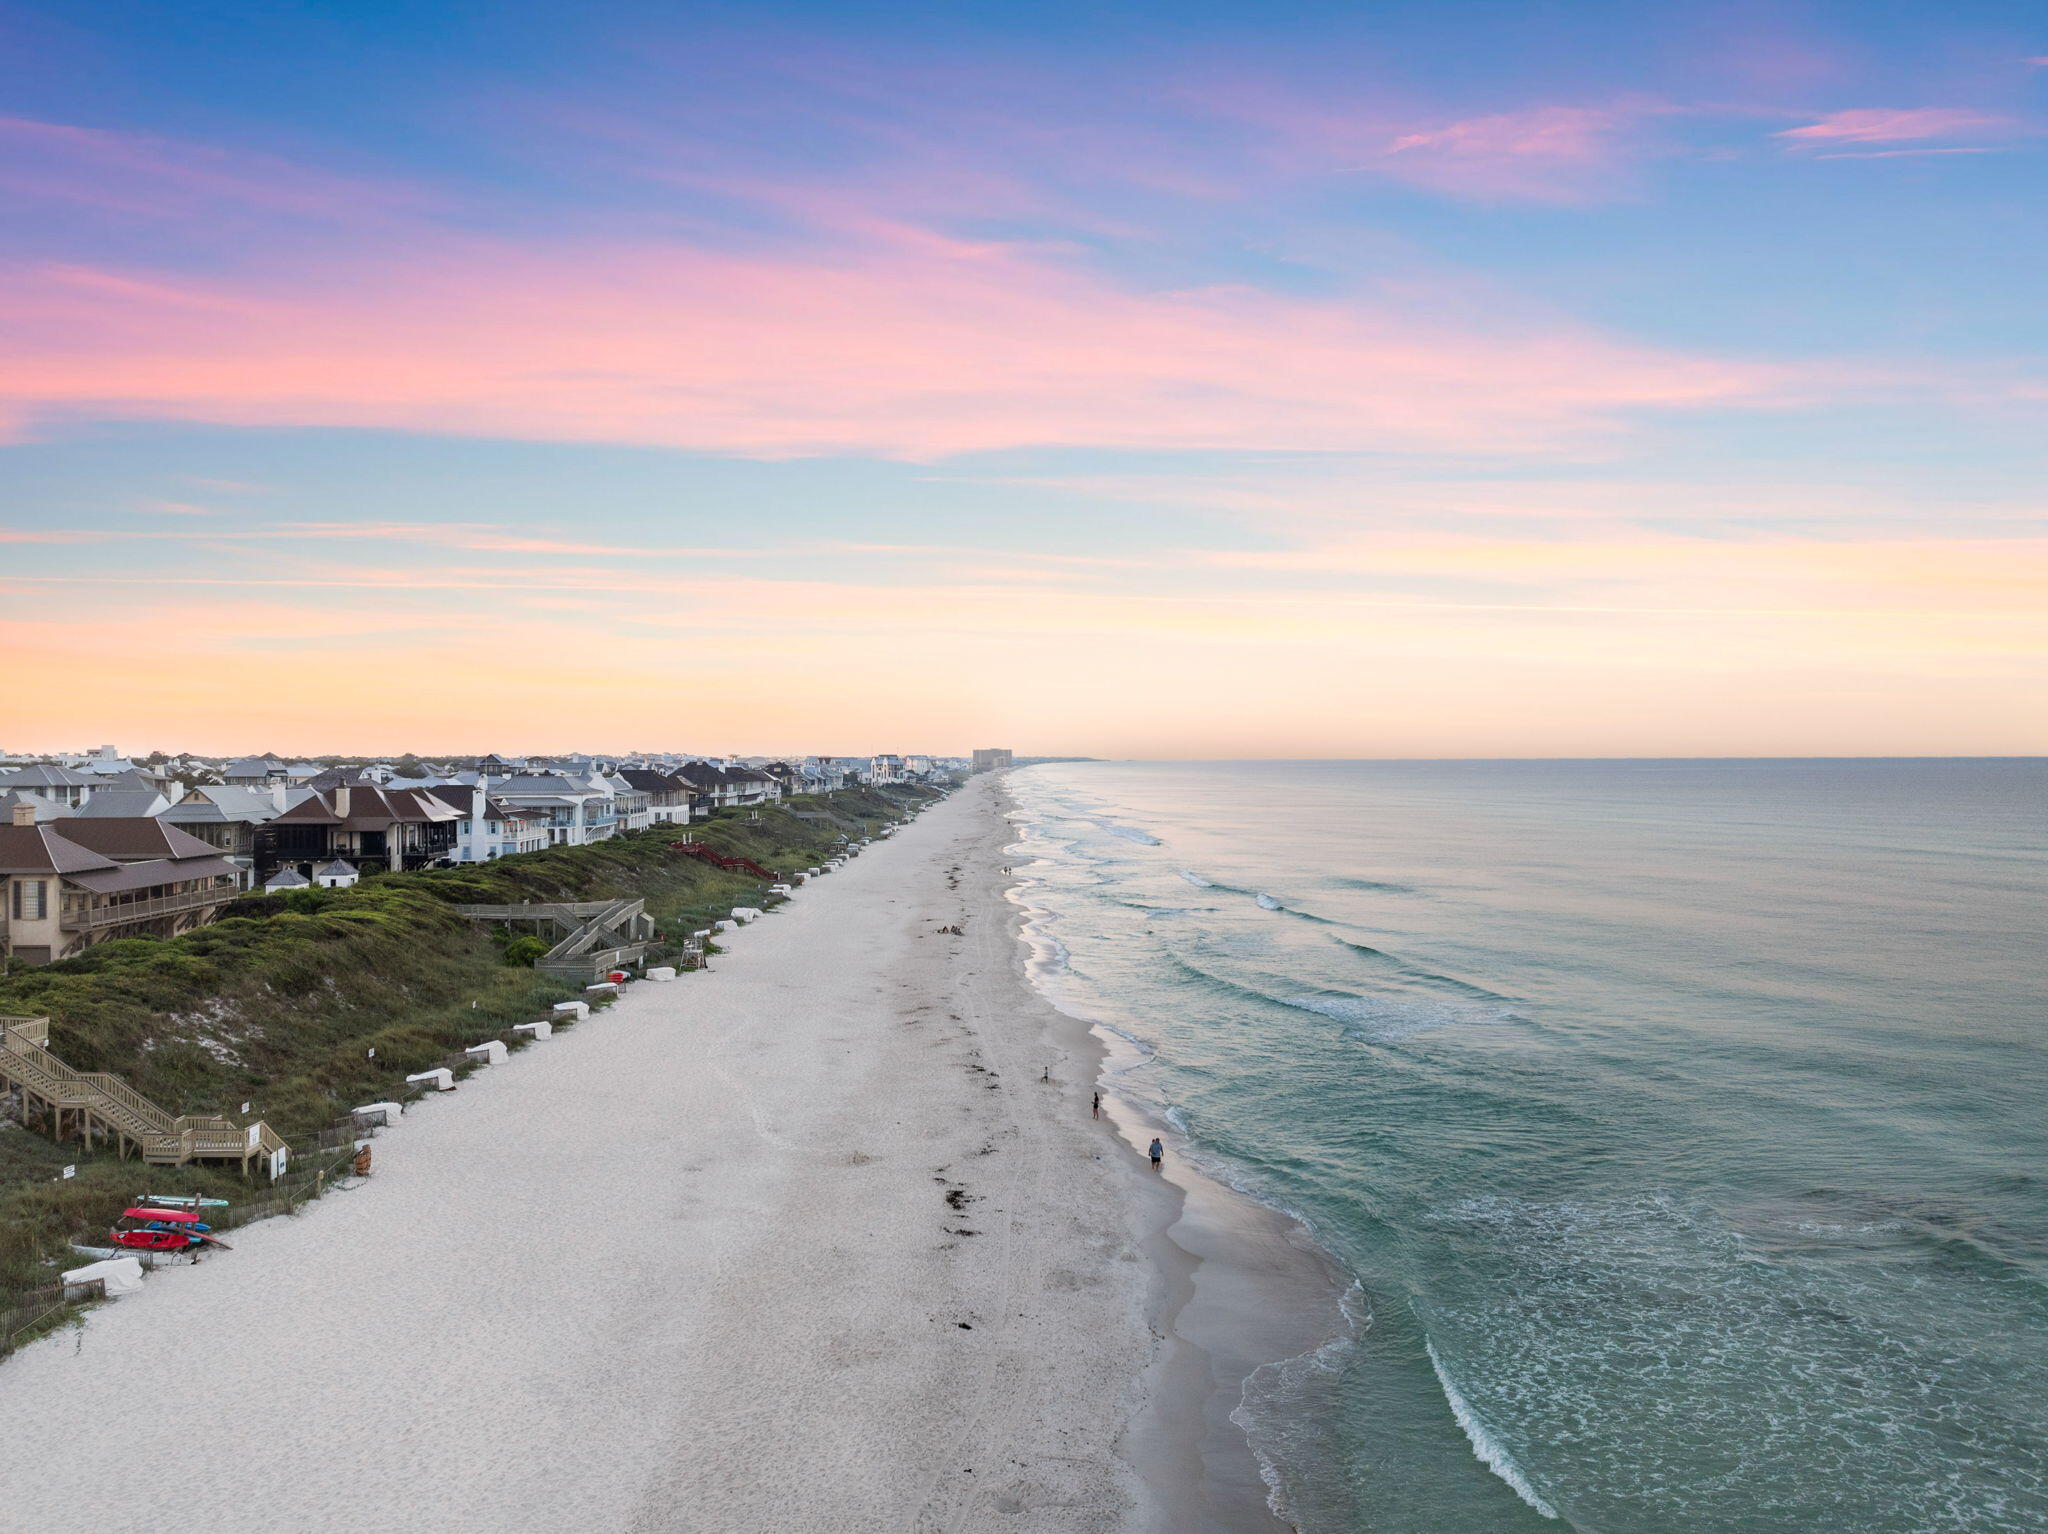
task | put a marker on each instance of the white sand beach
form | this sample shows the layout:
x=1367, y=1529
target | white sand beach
x=803, y=1243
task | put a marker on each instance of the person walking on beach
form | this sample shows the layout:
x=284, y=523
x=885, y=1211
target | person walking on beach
x=1096, y=1112
x=1158, y=1153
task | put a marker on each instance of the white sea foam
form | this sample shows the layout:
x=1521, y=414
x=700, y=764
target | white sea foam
x=1268, y=901
x=1197, y=880
x=1484, y=1444
x=1272, y=1403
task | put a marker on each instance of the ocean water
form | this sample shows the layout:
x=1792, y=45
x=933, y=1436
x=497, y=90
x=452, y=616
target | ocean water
x=1684, y=1123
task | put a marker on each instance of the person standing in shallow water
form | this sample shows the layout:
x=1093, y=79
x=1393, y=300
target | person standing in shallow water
x=1158, y=1153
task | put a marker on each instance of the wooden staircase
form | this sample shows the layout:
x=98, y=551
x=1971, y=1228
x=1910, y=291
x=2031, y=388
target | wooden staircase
x=100, y=1108
x=592, y=936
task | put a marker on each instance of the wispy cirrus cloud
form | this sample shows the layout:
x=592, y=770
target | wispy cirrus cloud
x=1888, y=125
x=176, y=509
x=1562, y=154
x=911, y=346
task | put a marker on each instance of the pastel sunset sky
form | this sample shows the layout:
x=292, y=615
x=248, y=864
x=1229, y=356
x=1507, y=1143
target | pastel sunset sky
x=1425, y=378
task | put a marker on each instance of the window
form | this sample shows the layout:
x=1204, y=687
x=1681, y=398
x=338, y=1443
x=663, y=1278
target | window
x=31, y=899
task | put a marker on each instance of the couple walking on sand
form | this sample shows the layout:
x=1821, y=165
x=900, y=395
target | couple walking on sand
x=1156, y=1150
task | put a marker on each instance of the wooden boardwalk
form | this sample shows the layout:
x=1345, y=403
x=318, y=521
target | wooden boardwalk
x=593, y=936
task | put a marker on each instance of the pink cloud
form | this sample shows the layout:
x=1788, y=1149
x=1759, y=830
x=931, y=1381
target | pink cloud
x=1548, y=154
x=1878, y=125
x=177, y=509
x=914, y=348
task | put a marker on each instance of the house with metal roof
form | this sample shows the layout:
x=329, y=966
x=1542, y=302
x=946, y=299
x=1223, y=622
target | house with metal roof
x=65, y=885
x=576, y=810
x=668, y=795
x=51, y=783
x=123, y=804
x=491, y=828
x=373, y=828
x=254, y=772
x=227, y=818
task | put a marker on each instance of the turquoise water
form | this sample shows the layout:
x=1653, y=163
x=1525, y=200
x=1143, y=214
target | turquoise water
x=1685, y=1124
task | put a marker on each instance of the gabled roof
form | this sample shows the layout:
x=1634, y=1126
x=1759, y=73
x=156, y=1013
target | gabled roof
x=252, y=767
x=287, y=879
x=652, y=782
x=39, y=849
x=45, y=809
x=122, y=804
x=152, y=871
x=128, y=777
x=538, y=783
x=218, y=802
x=370, y=807
x=46, y=775
x=128, y=839
x=337, y=867
x=341, y=777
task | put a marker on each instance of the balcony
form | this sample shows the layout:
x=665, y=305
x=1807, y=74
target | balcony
x=93, y=918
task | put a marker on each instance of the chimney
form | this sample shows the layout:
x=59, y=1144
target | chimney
x=341, y=802
x=24, y=812
x=277, y=796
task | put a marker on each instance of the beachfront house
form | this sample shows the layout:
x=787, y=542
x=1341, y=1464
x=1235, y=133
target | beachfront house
x=668, y=796
x=67, y=884
x=573, y=810
x=747, y=786
x=632, y=807
x=373, y=828
x=491, y=828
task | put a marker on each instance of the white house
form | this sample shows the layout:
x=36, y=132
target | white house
x=491, y=828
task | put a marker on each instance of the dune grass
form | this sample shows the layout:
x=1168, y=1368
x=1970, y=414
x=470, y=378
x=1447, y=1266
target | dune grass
x=280, y=1003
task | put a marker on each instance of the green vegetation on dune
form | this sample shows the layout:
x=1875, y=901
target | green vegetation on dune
x=280, y=1003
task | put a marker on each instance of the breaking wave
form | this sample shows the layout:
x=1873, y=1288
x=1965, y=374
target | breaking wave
x=1484, y=1444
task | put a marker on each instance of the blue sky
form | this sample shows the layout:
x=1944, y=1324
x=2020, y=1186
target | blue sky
x=1421, y=380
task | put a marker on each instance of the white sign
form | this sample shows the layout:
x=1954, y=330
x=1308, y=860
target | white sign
x=71, y=1171
x=245, y=1107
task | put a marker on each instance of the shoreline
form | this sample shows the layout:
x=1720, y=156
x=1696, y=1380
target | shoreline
x=1239, y=1286
x=822, y=1238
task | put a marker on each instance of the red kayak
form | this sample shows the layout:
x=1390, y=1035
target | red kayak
x=163, y=1230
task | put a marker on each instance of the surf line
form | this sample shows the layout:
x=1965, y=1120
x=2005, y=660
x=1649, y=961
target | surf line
x=1484, y=1444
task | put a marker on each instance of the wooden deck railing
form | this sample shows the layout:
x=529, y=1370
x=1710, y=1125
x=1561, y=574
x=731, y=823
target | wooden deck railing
x=91, y=918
